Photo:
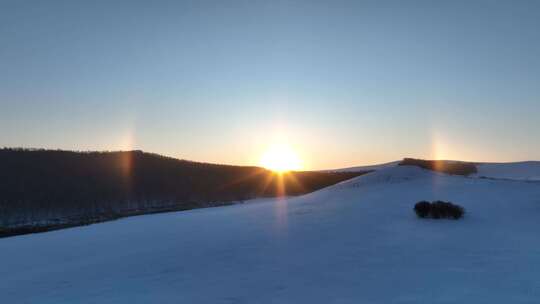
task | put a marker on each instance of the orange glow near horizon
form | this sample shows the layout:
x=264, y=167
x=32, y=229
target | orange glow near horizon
x=281, y=158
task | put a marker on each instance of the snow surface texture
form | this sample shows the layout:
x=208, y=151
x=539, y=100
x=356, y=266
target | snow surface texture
x=355, y=242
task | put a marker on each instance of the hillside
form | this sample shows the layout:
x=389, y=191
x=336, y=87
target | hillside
x=355, y=242
x=44, y=189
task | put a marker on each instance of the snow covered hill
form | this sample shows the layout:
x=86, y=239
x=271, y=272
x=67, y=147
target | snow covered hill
x=520, y=171
x=356, y=242
x=527, y=170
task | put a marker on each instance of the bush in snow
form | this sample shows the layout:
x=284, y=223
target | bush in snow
x=438, y=210
x=422, y=208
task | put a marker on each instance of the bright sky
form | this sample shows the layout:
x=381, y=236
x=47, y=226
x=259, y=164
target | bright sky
x=342, y=83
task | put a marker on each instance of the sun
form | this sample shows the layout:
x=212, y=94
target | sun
x=281, y=158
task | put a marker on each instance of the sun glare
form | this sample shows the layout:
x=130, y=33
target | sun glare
x=281, y=158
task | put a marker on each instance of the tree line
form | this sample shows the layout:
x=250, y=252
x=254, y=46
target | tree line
x=444, y=166
x=55, y=187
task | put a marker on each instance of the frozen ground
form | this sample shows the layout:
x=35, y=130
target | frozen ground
x=356, y=242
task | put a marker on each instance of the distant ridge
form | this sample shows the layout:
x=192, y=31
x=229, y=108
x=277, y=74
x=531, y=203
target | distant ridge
x=366, y=168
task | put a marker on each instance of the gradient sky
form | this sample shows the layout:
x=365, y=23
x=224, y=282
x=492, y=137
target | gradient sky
x=343, y=82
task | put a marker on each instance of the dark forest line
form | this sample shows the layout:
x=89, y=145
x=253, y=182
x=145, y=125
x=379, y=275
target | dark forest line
x=443, y=166
x=42, y=190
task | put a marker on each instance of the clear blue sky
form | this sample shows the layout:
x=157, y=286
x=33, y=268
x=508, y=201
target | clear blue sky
x=343, y=82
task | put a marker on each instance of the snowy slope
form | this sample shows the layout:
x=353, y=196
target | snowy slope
x=521, y=170
x=355, y=242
